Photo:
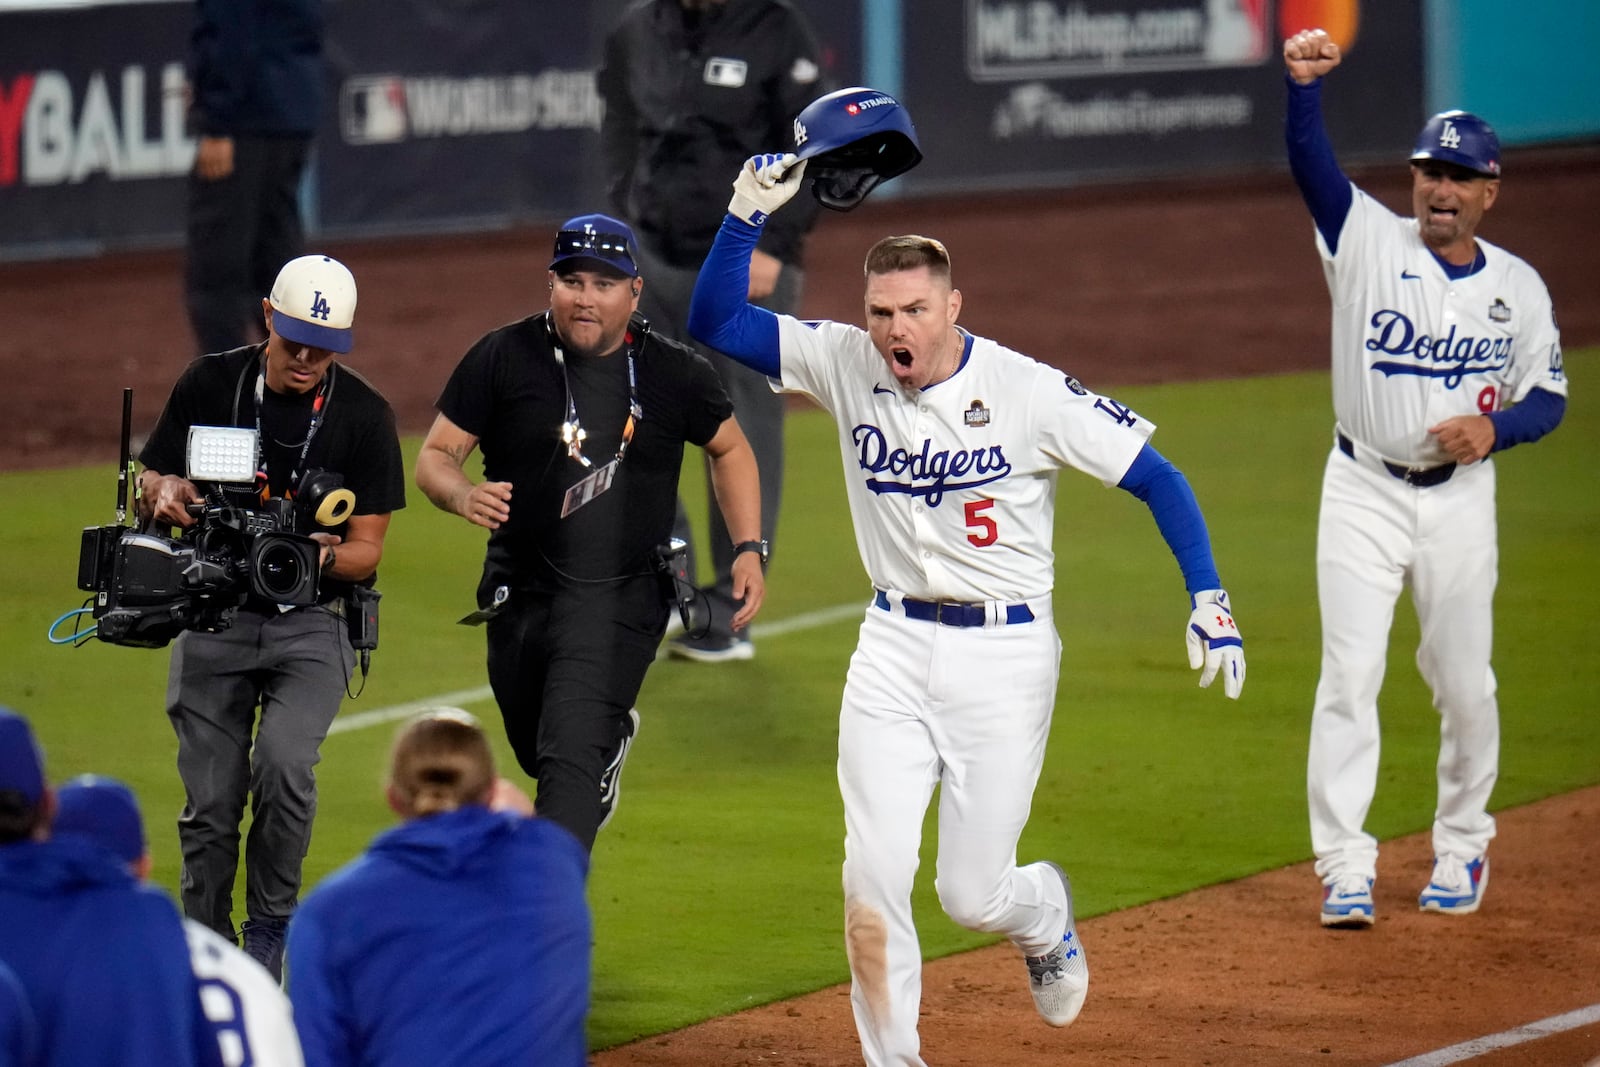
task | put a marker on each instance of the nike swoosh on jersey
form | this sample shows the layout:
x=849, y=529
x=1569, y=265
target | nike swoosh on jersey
x=878, y=388
x=1406, y=275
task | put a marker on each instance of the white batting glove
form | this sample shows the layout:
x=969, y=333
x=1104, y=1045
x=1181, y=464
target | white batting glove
x=765, y=183
x=1214, y=642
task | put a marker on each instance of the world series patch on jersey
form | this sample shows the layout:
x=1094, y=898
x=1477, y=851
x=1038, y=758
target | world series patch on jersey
x=1413, y=346
x=951, y=487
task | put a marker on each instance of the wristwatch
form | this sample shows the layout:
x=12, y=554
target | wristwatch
x=761, y=548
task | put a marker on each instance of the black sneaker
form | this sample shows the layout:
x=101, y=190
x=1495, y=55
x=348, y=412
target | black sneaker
x=611, y=777
x=712, y=648
x=263, y=942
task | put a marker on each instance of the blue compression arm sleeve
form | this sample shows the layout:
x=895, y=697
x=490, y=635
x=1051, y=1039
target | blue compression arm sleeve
x=1323, y=186
x=719, y=315
x=1540, y=412
x=1164, y=489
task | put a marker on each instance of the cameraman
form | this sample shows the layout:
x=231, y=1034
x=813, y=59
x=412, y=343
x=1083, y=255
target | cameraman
x=583, y=413
x=310, y=413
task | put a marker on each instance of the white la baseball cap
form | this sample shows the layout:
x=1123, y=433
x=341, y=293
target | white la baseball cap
x=314, y=303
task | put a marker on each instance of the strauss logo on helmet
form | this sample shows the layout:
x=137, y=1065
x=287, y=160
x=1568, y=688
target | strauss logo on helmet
x=852, y=140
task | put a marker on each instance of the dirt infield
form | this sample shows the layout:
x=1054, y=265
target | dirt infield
x=1214, y=278
x=1243, y=975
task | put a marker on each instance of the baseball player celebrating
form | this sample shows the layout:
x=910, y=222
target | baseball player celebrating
x=1436, y=333
x=951, y=446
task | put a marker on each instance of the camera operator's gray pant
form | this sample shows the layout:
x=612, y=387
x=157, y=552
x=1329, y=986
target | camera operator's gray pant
x=295, y=666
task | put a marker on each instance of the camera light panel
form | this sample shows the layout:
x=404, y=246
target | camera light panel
x=222, y=454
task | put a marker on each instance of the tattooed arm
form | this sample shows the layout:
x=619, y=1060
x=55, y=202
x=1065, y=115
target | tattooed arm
x=441, y=474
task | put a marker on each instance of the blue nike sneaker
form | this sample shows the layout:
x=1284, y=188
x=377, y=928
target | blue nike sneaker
x=1347, y=901
x=1457, y=885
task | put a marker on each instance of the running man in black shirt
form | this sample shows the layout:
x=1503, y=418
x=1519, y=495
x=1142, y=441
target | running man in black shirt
x=582, y=415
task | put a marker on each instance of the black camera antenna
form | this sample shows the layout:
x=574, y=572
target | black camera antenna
x=125, y=469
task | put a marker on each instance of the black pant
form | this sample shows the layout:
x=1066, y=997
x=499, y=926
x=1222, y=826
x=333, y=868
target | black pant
x=242, y=229
x=759, y=410
x=566, y=666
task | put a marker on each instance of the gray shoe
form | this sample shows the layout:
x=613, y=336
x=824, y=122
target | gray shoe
x=1059, y=980
x=712, y=648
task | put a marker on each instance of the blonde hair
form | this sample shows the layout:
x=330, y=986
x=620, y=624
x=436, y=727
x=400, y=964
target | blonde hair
x=908, y=252
x=441, y=761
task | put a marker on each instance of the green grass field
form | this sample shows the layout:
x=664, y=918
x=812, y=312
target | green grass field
x=717, y=885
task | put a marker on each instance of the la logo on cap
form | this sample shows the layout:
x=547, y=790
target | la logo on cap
x=314, y=303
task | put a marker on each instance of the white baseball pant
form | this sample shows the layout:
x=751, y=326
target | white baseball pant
x=1375, y=532
x=968, y=710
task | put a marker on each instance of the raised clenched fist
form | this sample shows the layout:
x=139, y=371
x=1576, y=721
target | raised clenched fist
x=1309, y=55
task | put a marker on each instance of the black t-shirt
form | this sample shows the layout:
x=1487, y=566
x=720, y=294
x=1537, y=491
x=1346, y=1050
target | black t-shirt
x=510, y=393
x=355, y=438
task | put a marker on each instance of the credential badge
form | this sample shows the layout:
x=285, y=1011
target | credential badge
x=976, y=416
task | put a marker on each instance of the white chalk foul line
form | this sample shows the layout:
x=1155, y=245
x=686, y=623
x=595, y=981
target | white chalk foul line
x=378, y=716
x=1467, y=1050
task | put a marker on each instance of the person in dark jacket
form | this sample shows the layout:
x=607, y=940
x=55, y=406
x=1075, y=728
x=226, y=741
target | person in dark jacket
x=461, y=937
x=256, y=94
x=692, y=88
x=101, y=959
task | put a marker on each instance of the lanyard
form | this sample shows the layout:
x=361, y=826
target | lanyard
x=324, y=391
x=572, y=432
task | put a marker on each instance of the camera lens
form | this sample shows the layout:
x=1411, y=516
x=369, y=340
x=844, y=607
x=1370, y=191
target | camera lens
x=281, y=570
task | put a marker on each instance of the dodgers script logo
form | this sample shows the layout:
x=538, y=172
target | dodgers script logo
x=926, y=473
x=1447, y=356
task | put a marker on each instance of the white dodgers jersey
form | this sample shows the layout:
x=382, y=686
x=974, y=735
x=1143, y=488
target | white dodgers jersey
x=245, y=1007
x=952, y=488
x=1413, y=346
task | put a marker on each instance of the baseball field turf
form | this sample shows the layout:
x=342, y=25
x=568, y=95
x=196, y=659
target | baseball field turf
x=717, y=885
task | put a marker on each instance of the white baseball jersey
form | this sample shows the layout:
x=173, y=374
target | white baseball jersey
x=952, y=488
x=1412, y=346
x=249, y=1012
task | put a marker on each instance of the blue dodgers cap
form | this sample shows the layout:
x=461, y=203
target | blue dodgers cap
x=599, y=238
x=21, y=762
x=104, y=811
x=1462, y=138
x=314, y=303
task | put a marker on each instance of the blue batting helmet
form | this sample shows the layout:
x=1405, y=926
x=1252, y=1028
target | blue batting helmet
x=1462, y=138
x=852, y=140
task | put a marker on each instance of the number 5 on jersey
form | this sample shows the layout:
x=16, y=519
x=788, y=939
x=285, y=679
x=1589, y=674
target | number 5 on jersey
x=987, y=533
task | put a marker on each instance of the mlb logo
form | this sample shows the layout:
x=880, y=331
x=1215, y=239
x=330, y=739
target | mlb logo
x=372, y=110
x=726, y=73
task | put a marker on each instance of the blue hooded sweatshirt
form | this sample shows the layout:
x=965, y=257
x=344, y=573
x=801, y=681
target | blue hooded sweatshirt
x=102, y=959
x=456, y=939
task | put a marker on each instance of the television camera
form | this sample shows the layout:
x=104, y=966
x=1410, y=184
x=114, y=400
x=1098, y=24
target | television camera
x=149, y=587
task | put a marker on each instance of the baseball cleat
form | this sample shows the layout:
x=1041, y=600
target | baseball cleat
x=1059, y=980
x=1347, y=902
x=1457, y=885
